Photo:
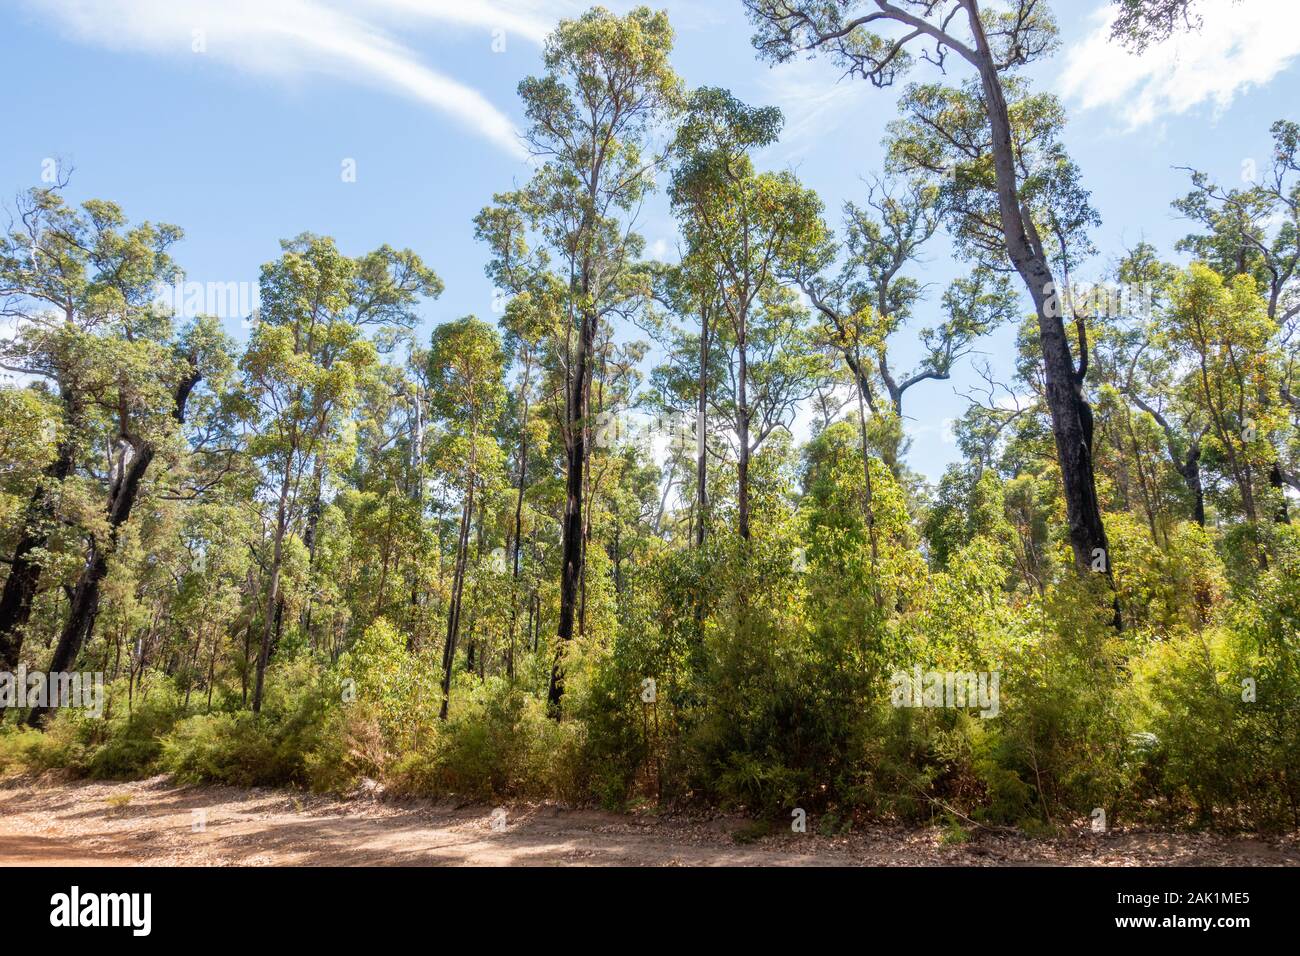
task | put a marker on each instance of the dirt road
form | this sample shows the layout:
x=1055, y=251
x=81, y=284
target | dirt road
x=151, y=822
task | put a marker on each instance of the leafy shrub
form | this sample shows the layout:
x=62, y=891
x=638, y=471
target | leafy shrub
x=497, y=742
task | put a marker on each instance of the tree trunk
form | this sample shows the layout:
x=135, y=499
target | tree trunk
x=272, y=593
x=1282, y=515
x=1191, y=472
x=457, y=588
x=516, y=545
x=701, y=440
x=571, y=552
x=1071, y=414
x=85, y=596
x=309, y=535
x=742, y=430
x=473, y=652
x=868, y=505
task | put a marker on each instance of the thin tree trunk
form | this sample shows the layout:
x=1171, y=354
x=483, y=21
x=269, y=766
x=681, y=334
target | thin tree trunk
x=309, y=535
x=272, y=593
x=869, y=512
x=742, y=428
x=516, y=545
x=701, y=440
x=457, y=586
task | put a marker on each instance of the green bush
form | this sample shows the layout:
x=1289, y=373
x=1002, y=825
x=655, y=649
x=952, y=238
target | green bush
x=266, y=749
x=496, y=742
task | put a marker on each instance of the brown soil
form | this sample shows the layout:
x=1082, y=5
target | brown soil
x=48, y=821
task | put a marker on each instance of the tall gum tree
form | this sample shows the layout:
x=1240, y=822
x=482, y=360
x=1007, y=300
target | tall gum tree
x=146, y=393
x=875, y=40
x=467, y=395
x=607, y=87
x=746, y=229
x=883, y=237
x=1254, y=230
x=302, y=374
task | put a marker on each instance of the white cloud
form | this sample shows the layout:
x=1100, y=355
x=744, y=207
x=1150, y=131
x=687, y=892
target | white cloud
x=291, y=37
x=1239, y=46
x=531, y=19
x=811, y=100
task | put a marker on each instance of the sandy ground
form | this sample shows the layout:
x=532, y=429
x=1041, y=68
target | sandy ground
x=49, y=822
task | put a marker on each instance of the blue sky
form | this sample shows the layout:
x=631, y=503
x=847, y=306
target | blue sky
x=243, y=141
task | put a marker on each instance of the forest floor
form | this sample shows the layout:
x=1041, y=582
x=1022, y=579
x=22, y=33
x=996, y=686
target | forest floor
x=49, y=821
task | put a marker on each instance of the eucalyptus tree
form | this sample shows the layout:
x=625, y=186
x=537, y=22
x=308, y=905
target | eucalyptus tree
x=747, y=229
x=1220, y=333
x=684, y=382
x=592, y=118
x=1010, y=192
x=872, y=296
x=79, y=286
x=529, y=318
x=1128, y=355
x=467, y=395
x=303, y=370
x=1254, y=229
x=151, y=373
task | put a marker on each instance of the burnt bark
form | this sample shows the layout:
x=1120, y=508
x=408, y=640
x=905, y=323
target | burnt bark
x=571, y=550
x=272, y=591
x=516, y=544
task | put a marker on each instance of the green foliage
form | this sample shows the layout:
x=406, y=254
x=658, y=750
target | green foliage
x=497, y=743
x=273, y=747
x=343, y=565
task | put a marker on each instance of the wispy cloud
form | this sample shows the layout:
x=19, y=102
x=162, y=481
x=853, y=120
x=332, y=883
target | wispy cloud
x=531, y=19
x=293, y=37
x=813, y=102
x=1239, y=46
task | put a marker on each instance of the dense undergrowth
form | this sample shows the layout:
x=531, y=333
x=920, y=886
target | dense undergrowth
x=775, y=698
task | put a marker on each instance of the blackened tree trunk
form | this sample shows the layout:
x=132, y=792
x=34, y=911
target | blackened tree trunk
x=473, y=652
x=309, y=540
x=272, y=591
x=1191, y=472
x=85, y=596
x=571, y=551
x=516, y=544
x=1282, y=515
